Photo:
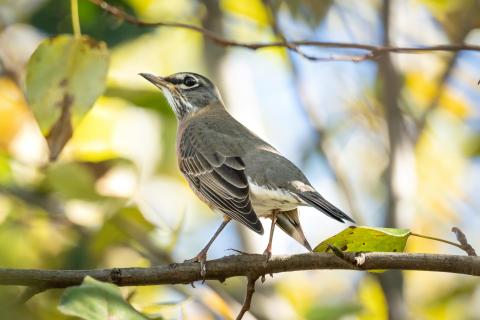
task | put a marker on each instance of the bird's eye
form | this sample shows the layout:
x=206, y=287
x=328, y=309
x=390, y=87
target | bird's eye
x=189, y=81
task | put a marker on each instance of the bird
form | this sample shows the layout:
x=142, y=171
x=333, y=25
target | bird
x=231, y=169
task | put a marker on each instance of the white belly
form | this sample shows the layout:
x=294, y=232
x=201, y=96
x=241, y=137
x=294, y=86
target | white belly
x=264, y=200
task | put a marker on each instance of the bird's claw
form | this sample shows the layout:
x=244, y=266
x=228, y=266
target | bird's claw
x=268, y=254
x=202, y=259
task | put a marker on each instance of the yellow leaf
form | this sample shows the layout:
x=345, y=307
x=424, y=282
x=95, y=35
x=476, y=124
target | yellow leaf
x=215, y=302
x=155, y=10
x=94, y=138
x=440, y=165
x=373, y=300
x=454, y=104
x=13, y=111
x=249, y=9
x=422, y=89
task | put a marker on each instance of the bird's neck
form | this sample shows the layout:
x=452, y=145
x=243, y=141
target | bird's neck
x=213, y=107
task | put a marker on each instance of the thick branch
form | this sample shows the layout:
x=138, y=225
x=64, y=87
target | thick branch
x=240, y=265
x=372, y=51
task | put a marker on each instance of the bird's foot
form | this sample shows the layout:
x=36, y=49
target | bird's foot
x=268, y=253
x=202, y=259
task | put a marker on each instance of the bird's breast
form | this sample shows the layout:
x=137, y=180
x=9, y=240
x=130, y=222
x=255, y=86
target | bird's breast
x=265, y=199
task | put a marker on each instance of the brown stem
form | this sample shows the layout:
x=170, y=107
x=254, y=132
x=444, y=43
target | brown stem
x=248, y=297
x=437, y=239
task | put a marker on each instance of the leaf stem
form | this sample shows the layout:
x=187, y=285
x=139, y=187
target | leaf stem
x=437, y=239
x=75, y=19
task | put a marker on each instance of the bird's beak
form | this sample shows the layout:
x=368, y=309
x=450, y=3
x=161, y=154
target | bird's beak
x=157, y=81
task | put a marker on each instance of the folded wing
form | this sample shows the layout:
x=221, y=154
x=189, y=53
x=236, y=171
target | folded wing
x=220, y=179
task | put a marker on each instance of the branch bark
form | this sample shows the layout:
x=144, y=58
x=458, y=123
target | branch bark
x=251, y=265
x=372, y=51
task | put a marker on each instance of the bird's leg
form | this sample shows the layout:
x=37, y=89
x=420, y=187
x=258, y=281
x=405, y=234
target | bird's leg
x=202, y=255
x=268, y=250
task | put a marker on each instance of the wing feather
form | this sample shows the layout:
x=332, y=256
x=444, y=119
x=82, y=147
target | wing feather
x=220, y=179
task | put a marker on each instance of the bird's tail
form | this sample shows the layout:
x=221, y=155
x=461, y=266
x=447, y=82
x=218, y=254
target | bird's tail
x=315, y=200
x=288, y=221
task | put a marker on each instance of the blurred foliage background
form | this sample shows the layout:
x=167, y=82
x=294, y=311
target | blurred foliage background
x=395, y=142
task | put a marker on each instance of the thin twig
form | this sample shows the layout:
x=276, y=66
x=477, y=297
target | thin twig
x=464, y=245
x=248, y=296
x=438, y=239
x=279, y=34
x=29, y=292
x=373, y=51
x=463, y=241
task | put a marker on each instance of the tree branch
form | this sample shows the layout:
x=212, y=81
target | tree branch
x=252, y=266
x=372, y=53
x=248, y=297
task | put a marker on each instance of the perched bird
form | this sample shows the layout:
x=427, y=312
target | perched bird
x=231, y=169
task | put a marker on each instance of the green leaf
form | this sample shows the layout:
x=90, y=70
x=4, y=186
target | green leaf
x=333, y=312
x=113, y=231
x=72, y=180
x=65, y=76
x=367, y=239
x=96, y=300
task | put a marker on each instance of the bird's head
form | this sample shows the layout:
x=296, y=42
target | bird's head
x=186, y=92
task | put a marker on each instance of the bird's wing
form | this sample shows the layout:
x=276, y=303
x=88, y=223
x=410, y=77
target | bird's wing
x=273, y=169
x=219, y=178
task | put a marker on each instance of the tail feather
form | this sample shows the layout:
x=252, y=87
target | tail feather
x=315, y=200
x=288, y=221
